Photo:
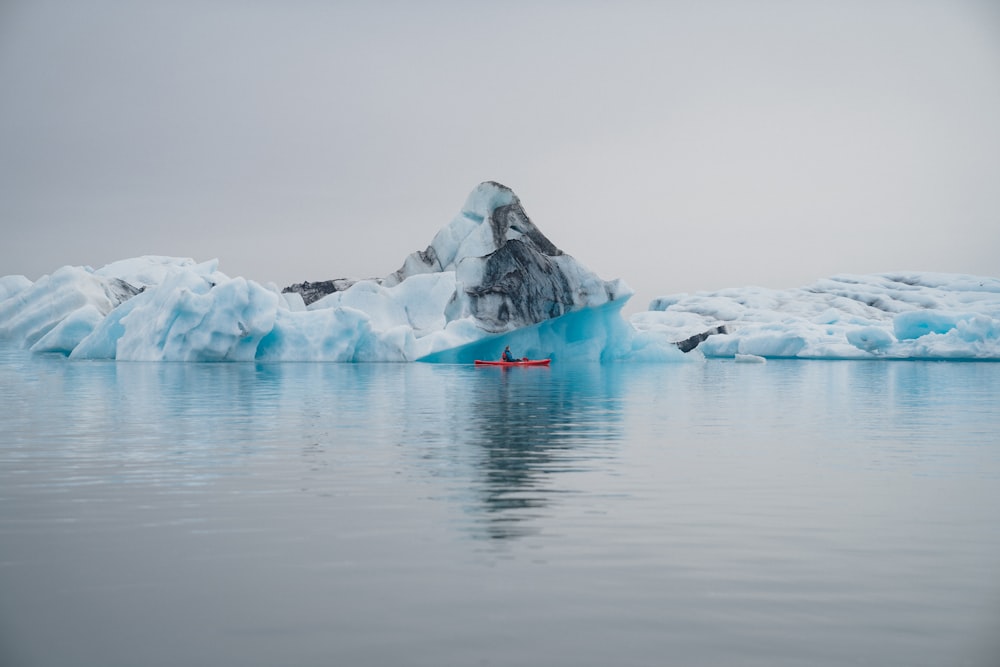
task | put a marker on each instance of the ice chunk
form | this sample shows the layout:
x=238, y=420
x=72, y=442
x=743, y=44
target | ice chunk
x=66, y=335
x=587, y=335
x=917, y=323
x=34, y=311
x=771, y=343
x=330, y=334
x=871, y=339
x=102, y=341
x=891, y=315
x=11, y=285
x=978, y=329
x=153, y=269
x=292, y=301
x=186, y=320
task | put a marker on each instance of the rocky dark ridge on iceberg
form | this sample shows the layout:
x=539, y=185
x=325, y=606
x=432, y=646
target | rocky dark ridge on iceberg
x=311, y=292
x=509, y=274
x=519, y=284
x=497, y=206
x=119, y=291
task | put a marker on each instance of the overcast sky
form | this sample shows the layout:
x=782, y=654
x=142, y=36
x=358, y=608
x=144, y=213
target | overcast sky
x=681, y=146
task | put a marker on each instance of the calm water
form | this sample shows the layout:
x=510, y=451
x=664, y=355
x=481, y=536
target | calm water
x=793, y=513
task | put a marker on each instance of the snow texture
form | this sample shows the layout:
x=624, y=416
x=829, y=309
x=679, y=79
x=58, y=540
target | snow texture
x=886, y=316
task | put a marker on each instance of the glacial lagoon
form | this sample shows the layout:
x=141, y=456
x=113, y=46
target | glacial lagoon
x=703, y=513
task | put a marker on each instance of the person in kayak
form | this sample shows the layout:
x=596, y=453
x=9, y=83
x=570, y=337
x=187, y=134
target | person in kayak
x=507, y=356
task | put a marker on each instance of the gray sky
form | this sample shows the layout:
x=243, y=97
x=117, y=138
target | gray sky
x=679, y=145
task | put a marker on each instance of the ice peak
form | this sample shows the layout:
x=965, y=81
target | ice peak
x=492, y=216
x=487, y=197
x=508, y=273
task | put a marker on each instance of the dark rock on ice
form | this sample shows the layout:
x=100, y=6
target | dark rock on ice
x=519, y=284
x=692, y=342
x=311, y=292
x=118, y=291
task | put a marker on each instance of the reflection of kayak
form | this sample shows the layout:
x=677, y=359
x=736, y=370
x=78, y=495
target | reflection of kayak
x=528, y=362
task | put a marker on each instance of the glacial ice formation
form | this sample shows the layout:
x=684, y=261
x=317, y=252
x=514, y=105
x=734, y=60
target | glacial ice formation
x=883, y=316
x=506, y=273
x=489, y=277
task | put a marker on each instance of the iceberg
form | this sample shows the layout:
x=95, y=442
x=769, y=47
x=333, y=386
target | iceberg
x=489, y=278
x=904, y=315
x=11, y=285
x=35, y=310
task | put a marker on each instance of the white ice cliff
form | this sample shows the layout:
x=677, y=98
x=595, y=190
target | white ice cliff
x=882, y=316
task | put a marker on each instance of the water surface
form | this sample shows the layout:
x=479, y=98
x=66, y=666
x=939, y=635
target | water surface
x=791, y=513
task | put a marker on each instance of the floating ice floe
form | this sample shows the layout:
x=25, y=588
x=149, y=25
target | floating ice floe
x=884, y=316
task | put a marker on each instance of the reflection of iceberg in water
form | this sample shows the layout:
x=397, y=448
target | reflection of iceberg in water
x=529, y=426
x=498, y=445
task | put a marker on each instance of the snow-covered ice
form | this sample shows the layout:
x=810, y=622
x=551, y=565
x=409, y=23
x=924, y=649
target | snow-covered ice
x=909, y=315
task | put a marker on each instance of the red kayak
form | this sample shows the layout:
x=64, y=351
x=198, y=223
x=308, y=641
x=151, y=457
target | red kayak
x=525, y=362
